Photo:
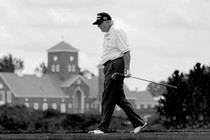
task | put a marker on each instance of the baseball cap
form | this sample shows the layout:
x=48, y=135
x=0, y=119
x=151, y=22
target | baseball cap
x=102, y=17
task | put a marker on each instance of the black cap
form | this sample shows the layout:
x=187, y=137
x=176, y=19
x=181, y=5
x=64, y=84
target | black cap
x=102, y=17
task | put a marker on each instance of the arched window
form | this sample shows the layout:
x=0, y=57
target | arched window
x=69, y=68
x=73, y=68
x=54, y=106
x=36, y=106
x=9, y=96
x=53, y=68
x=44, y=106
x=63, y=108
x=57, y=68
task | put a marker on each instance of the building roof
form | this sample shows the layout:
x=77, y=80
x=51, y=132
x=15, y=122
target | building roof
x=49, y=86
x=94, y=89
x=140, y=97
x=62, y=47
x=33, y=86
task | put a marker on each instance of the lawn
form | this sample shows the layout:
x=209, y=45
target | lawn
x=177, y=135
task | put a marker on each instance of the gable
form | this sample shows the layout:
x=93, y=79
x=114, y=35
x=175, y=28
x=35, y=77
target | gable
x=73, y=79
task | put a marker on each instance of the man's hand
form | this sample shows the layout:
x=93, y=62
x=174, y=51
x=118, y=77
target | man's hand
x=127, y=73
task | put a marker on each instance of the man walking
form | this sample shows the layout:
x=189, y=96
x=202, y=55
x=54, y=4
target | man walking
x=115, y=58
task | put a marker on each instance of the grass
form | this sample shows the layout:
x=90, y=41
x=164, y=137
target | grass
x=164, y=135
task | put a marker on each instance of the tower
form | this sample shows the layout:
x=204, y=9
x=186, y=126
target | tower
x=63, y=60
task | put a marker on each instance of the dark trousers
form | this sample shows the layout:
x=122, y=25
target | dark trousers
x=114, y=94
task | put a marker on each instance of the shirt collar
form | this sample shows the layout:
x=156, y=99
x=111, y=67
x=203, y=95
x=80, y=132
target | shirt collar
x=111, y=28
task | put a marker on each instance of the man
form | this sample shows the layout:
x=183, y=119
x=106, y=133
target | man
x=115, y=58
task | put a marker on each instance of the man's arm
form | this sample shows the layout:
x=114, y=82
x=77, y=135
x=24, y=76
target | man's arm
x=126, y=57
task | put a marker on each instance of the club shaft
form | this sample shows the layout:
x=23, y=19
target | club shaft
x=154, y=82
x=167, y=85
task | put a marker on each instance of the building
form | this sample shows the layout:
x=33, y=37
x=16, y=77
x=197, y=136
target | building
x=62, y=87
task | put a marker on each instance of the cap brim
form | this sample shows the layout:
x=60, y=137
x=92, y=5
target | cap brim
x=97, y=22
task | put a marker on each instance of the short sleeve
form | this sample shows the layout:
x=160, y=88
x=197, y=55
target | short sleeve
x=122, y=42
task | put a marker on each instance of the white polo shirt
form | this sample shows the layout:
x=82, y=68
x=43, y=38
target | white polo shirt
x=115, y=44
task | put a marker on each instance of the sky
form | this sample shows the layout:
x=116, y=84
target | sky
x=163, y=35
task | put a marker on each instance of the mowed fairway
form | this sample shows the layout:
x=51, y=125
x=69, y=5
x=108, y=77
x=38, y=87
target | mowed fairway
x=201, y=135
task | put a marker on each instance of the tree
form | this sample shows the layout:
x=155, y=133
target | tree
x=199, y=86
x=8, y=64
x=42, y=67
x=188, y=105
x=86, y=73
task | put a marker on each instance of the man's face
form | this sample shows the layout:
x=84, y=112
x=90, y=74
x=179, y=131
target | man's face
x=103, y=26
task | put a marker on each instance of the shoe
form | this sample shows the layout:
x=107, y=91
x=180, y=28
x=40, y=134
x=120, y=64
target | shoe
x=96, y=132
x=138, y=129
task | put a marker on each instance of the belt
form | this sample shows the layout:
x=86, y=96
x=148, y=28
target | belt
x=112, y=60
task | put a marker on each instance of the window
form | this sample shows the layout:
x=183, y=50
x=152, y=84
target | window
x=36, y=106
x=63, y=108
x=27, y=105
x=69, y=68
x=55, y=58
x=138, y=106
x=71, y=58
x=9, y=96
x=152, y=106
x=70, y=105
x=73, y=68
x=2, y=97
x=1, y=86
x=87, y=106
x=53, y=68
x=78, y=81
x=54, y=106
x=44, y=106
x=63, y=100
x=145, y=106
x=57, y=68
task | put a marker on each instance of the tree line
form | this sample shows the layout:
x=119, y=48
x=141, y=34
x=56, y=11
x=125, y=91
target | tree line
x=188, y=106
x=21, y=119
x=10, y=63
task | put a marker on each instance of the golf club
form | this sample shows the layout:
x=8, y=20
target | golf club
x=167, y=85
